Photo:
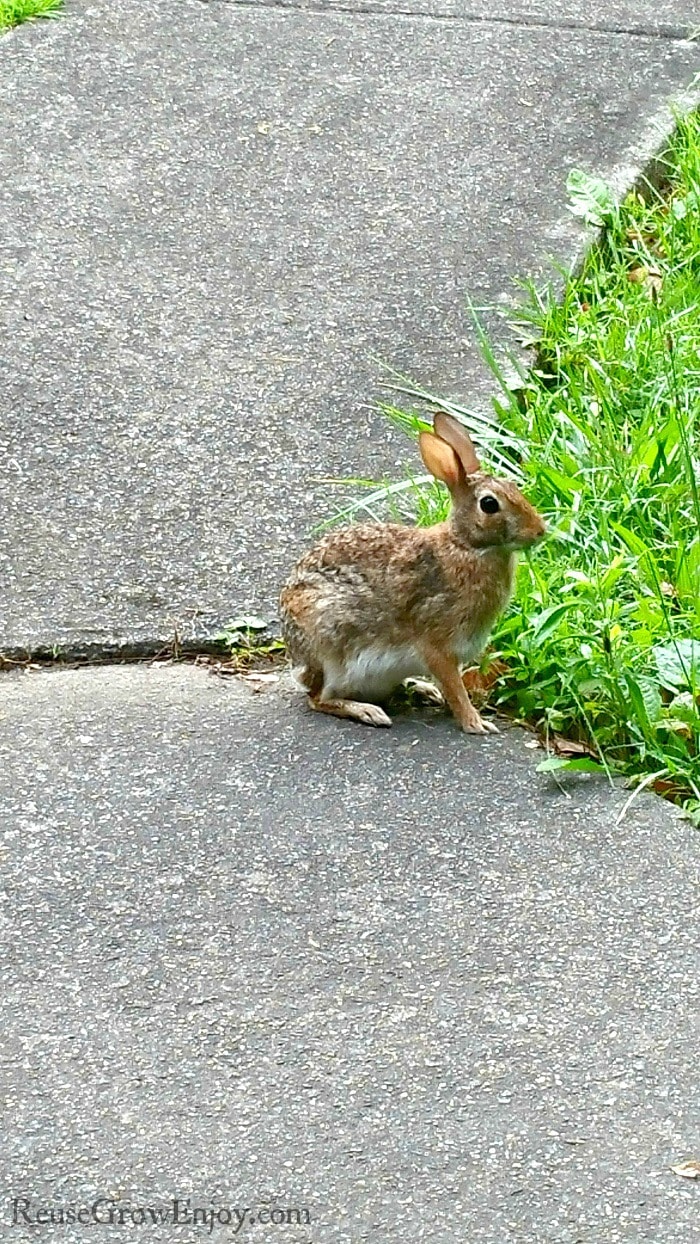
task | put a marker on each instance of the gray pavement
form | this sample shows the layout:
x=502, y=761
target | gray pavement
x=667, y=18
x=215, y=218
x=393, y=977
x=252, y=957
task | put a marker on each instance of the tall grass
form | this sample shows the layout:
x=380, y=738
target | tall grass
x=602, y=643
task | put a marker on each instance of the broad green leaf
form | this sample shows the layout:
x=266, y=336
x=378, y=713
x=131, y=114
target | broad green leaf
x=560, y=764
x=681, y=207
x=565, y=485
x=634, y=543
x=688, y=577
x=651, y=696
x=645, y=701
x=591, y=197
x=548, y=621
x=646, y=562
x=678, y=663
x=683, y=708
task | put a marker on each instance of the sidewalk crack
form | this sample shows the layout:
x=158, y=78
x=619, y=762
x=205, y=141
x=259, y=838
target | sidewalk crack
x=366, y=9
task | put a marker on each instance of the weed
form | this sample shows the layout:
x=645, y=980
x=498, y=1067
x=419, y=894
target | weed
x=249, y=645
x=13, y=12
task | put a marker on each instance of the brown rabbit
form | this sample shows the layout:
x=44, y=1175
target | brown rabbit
x=374, y=604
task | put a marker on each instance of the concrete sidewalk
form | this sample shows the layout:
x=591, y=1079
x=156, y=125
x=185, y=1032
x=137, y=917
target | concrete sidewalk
x=215, y=218
x=666, y=19
x=253, y=957
x=257, y=956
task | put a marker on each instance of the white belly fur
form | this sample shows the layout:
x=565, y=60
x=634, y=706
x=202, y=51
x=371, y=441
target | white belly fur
x=375, y=672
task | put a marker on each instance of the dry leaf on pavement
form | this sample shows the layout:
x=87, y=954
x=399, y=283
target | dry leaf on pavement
x=689, y=1169
x=571, y=747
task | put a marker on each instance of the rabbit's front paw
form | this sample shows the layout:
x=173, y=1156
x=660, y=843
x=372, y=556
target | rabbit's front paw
x=474, y=724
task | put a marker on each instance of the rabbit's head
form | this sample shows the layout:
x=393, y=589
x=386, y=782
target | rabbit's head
x=486, y=512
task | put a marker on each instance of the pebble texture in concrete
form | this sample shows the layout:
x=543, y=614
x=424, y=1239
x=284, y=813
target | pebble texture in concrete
x=214, y=219
x=253, y=955
x=668, y=18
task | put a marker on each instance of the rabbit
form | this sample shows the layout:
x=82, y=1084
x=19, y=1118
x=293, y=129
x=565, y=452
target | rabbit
x=373, y=605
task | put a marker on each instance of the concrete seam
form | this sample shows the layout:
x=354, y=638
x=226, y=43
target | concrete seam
x=674, y=34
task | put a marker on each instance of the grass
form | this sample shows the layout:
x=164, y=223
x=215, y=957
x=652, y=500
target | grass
x=602, y=642
x=13, y=12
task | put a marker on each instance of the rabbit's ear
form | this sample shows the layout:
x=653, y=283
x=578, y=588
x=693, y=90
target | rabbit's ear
x=456, y=435
x=440, y=459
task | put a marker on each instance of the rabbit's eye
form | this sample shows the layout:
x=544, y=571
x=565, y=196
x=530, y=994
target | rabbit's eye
x=489, y=504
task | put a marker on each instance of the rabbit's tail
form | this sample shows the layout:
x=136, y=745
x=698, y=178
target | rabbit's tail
x=308, y=678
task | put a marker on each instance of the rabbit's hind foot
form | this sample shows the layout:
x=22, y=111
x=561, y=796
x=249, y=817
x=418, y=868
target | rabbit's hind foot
x=368, y=714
